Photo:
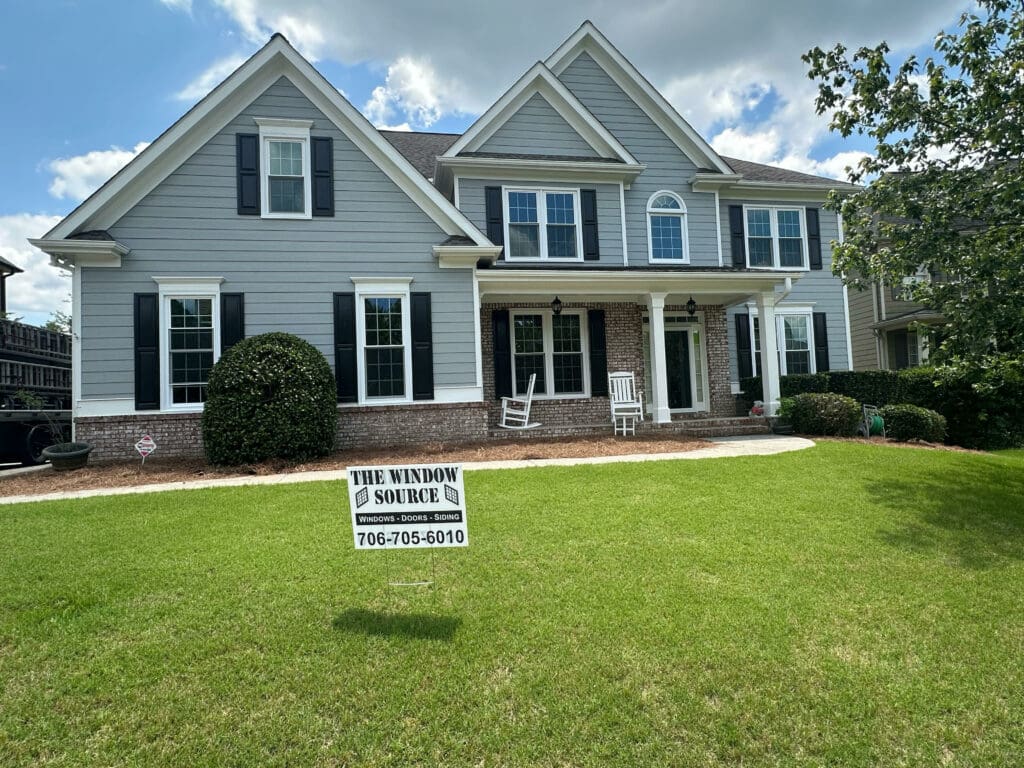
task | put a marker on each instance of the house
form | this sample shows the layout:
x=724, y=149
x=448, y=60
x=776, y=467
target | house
x=6, y=270
x=888, y=330
x=580, y=226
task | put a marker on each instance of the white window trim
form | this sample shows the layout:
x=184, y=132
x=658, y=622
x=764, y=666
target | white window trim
x=774, y=222
x=275, y=129
x=542, y=222
x=681, y=213
x=780, y=337
x=173, y=287
x=549, y=352
x=383, y=288
x=688, y=326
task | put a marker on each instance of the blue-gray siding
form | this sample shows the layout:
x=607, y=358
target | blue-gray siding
x=667, y=166
x=819, y=288
x=188, y=226
x=537, y=129
x=609, y=220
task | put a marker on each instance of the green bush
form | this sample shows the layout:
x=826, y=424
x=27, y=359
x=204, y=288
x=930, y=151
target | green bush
x=799, y=383
x=825, y=413
x=871, y=387
x=911, y=422
x=269, y=396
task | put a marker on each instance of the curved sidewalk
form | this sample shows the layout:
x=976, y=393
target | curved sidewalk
x=722, y=447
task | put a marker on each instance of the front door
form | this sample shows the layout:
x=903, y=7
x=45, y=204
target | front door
x=677, y=359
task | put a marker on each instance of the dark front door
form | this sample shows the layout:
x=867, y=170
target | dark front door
x=677, y=359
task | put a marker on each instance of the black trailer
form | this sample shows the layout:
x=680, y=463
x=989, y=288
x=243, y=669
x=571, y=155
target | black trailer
x=35, y=390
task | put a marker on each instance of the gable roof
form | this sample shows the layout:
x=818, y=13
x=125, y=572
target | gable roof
x=274, y=60
x=7, y=268
x=589, y=39
x=422, y=150
x=538, y=79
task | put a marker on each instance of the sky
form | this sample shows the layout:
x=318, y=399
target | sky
x=87, y=84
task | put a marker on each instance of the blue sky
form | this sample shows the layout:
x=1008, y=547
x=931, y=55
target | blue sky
x=86, y=84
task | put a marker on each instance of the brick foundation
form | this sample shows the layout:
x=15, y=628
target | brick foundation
x=114, y=437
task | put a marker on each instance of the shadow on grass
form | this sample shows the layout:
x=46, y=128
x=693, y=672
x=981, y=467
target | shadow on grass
x=971, y=512
x=421, y=626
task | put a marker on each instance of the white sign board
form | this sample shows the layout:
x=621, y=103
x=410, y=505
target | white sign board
x=408, y=506
x=145, y=446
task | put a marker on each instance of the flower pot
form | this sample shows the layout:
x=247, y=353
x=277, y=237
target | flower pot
x=67, y=456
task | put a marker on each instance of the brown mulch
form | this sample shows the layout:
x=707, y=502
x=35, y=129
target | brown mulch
x=115, y=474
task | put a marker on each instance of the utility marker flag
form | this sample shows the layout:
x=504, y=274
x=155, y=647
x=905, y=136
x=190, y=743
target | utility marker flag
x=408, y=506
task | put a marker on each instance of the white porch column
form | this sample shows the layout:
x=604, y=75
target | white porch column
x=659, y=368
x=769, y=353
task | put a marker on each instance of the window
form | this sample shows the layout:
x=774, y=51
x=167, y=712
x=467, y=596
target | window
x=190, y=338
x=667, y=238
x=543, y=224
x=776, y=238
x=552, y=347
x=795, y=338
x=285, y=190
x=383, y=339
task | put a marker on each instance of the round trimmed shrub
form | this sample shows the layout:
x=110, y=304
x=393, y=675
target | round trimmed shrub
x=909, y=422
x=824, y=413
x=269, y=396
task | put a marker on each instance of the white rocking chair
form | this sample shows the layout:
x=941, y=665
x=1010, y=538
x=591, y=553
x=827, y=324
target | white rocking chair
x=627, y=408
x=515, y=411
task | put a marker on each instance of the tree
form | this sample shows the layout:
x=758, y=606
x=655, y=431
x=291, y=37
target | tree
x=944, y=186
x=59, y=321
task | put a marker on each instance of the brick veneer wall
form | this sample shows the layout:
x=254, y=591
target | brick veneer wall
x=624, y=338
x=179, y=434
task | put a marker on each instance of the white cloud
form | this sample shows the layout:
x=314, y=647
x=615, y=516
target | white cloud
x=78, y=177
x=185, y=6
x=41, y=289
x=411, y=90
x=210, y=78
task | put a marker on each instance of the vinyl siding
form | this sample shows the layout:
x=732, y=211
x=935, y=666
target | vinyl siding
x=537, y=129
x=609, y=220
x=667, y=166
x=865, y=350
x=188, y=226
x=819, y=288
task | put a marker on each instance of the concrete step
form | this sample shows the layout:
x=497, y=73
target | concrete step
x=710, y=427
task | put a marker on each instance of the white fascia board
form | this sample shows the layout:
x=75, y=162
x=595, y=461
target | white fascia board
x=179, y=142
x=589, y=39
x=616, y=282
x=539, y=79
x=456, y=256
x=520, y=169
x=84, y=253
x=788, y=193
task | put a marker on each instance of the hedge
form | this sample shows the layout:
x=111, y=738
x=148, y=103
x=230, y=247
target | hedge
x=823, y=413
x=911, y=422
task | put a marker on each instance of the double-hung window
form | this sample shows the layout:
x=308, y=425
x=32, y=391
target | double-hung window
x=543, y=224
x=285, y=164
x=190, y=338
x=552, y=347
x=666, y=229
x=794, y=334
x=383, y=336
x=776, y=237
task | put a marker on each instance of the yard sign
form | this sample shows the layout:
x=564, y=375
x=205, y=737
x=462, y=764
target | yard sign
x=408, y=507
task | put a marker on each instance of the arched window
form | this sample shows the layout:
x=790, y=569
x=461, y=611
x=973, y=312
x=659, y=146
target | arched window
x=667, y=239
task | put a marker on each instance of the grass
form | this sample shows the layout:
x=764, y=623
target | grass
x=848, y=605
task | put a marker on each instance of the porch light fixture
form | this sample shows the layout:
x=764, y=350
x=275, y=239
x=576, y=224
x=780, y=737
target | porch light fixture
x=556, y=307
x=691, y=307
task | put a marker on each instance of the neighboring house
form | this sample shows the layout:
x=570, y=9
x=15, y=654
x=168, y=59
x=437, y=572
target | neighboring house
x=580, y=226
x=887, y=330
x=6, y=270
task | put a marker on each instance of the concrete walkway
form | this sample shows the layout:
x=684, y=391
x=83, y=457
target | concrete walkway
x=756, y=445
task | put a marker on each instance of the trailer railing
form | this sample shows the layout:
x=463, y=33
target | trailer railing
x=19, y=339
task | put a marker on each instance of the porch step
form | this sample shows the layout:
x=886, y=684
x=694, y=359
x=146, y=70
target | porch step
x=713, y=427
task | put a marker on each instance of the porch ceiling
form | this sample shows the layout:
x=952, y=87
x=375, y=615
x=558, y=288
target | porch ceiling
x=710, y=287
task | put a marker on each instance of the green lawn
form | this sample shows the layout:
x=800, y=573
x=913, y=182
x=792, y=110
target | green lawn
x=847, y=605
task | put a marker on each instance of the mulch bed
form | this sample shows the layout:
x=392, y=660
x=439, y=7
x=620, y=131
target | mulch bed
x=115, y=474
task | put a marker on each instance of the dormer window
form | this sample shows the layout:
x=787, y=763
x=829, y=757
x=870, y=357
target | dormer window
x=543, y=224
x=285, y=190
x=667, y=238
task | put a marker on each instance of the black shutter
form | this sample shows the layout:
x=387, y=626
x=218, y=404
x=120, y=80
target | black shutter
x=495, y=217
x=743, y=359
x=737, y=238
x=598, y=353
x=588, y=206
x=232, y=320
x=820, y=342
x=814, y=238
x=247, y=161
x=345, y=347
x=422, y=348
x=322, y=163
x=147, y=352
x=502, y=353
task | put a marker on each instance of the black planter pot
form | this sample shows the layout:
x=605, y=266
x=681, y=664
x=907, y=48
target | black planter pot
x=67, y=456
